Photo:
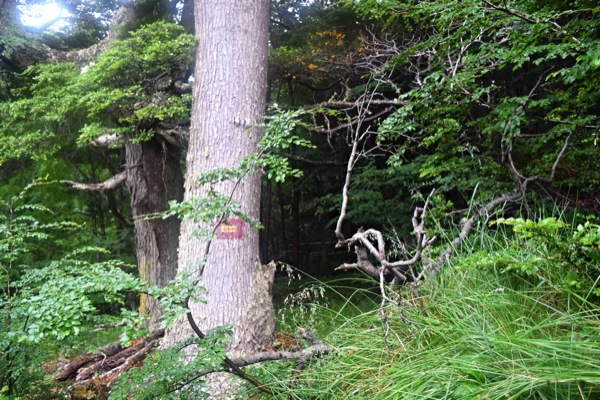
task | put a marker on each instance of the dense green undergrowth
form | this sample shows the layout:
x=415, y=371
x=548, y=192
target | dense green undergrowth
x=510, y=318
x=514, y=315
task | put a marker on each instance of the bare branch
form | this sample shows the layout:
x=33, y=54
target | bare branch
x=363, y=246
x=109, y=184
x=362, y=105
x=420, y=234
x=558, y=158
x=352, y=123
x=555, y=26
x=510, y=12
x=111, y=140
x=175, y=135
x=506, y=145
x=353, y=104
x=343, y=210
x=85, y=56
x=363, y=263
x=316, y=349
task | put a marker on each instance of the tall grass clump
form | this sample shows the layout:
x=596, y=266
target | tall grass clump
x=511, y=317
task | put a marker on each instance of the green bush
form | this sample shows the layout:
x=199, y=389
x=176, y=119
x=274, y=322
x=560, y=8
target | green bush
x=50, y=297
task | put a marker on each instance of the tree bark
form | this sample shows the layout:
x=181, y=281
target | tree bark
x=229, y=93
x=154, y=178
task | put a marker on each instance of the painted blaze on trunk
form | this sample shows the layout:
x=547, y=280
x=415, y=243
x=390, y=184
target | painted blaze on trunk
x=229, y=102
x=231, y=228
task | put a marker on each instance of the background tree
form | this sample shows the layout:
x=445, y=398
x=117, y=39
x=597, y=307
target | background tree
x=110, y=106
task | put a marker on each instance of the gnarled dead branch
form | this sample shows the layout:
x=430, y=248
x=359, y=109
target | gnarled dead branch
x=372, y=242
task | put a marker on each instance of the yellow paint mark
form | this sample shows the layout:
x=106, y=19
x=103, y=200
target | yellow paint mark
x=143, y=269
x=228, y=228
x=144, y=300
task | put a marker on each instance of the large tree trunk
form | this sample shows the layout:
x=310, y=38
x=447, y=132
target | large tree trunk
x=230, y=85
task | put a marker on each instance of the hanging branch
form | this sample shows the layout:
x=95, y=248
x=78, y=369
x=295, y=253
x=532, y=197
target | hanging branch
x=362, y=106
x=521, y=183
x=556, y=28
x=341, y=127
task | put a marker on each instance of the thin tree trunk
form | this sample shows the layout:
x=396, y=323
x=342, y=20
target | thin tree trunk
x=187, y=16
x=296, y=197
x=282, y=218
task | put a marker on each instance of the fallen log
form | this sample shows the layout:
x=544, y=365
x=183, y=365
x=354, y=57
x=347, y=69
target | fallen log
x=111, y=376
x=95, y=373
x=105, y=359
x=70, y=370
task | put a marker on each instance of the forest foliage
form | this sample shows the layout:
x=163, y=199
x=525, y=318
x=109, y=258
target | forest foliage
x=478, y=99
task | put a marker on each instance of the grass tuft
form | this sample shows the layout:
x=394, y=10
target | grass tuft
x=484, y=331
